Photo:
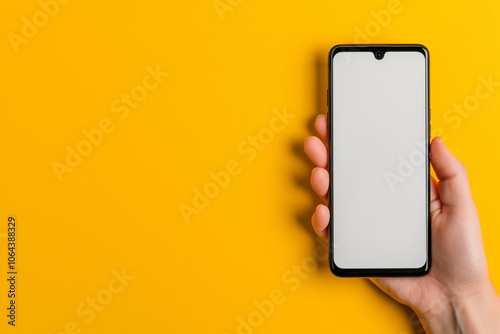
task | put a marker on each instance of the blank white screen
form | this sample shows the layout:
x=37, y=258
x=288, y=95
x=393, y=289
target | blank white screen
x=378, y=121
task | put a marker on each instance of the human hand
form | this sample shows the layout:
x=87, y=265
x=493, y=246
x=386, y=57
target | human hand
x=457, y=294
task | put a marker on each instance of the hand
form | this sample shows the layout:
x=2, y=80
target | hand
x=457, y=294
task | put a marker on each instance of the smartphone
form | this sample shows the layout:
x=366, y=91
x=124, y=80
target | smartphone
x=378, y=122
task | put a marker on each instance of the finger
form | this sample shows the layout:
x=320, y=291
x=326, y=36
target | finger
x=320, y=221
x=316, y=151
x=435, y=206
x=322, y=127
x=320, y=182
x=454, y=189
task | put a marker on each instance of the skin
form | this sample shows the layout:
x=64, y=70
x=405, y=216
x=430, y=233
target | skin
x=457, y=296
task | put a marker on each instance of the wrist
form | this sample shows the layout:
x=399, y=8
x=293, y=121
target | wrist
x=439, y=315
x=474, y=311
x=478, y=312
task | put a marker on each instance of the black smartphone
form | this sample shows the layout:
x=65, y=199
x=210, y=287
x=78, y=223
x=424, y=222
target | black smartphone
x=378, y=122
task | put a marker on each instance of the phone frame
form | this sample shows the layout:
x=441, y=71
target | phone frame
x=378, y=272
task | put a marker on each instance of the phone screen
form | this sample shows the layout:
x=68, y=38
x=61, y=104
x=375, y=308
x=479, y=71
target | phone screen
x=379, y=159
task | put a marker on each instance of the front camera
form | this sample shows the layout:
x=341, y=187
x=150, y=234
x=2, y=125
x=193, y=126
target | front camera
x=379, y=55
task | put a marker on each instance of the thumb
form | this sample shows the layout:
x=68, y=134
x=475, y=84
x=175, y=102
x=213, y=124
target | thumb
x=454, y=189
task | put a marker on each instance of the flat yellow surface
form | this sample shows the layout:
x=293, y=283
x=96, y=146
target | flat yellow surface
x=112, y=233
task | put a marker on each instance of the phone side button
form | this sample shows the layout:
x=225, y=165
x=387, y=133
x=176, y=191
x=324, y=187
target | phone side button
x=327, y=98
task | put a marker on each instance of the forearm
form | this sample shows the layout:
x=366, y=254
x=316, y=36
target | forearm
x=477, y=312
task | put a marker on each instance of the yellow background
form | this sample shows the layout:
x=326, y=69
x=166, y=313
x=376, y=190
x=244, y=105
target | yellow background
x=120, y=207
